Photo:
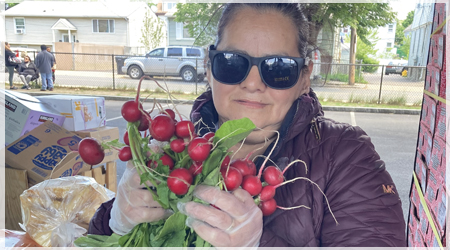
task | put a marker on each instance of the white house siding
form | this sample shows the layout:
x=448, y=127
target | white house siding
x=173, y=35
x=385, y=36
x=420, y=37
x=38, y=31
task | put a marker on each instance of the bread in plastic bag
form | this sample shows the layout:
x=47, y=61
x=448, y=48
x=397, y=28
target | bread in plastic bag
x=57, y=211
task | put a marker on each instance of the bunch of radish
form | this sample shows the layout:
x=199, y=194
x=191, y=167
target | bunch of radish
x=168, y=154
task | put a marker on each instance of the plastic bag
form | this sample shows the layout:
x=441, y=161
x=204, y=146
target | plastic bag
x=57, y=211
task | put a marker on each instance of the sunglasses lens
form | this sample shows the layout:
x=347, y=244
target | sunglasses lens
x=229, y=68
x=279, y=73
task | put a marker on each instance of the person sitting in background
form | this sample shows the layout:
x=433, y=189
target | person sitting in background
x=27, y=72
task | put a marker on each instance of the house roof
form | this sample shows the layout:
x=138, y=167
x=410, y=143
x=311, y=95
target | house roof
x=63, y=24
x=69, y=9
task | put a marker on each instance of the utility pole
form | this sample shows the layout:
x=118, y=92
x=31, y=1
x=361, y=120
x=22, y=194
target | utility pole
x=351, y=73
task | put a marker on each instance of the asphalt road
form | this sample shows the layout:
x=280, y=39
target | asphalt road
x=394, y=137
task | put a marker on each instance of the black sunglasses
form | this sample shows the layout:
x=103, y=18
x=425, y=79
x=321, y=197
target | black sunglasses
x=277, y=72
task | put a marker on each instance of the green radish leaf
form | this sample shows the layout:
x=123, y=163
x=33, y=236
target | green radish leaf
x=212, y=162
x=233, y=131
x=199, y=242
x=176, y=239
x=112, y=144
x=213, y=178
x=92, y=240
x=163, y=193
x=175, y=223
x=184, y=162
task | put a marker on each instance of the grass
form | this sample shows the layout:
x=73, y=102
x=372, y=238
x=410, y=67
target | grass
x=370, y=101
x=344, y=78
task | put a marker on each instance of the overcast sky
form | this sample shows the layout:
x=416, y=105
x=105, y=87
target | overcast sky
x=402, y=7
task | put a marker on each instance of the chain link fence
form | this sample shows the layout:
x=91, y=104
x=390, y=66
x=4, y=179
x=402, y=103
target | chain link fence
x=374, y=84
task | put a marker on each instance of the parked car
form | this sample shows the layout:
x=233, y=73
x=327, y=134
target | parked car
x=392, y=68
x=184, y=61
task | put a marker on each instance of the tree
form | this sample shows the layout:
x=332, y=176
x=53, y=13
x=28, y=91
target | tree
x=152, y=31
x=10, y=5
x=409, y=19
x=200, y=19
x=366, y=52
x=403, y=50
x=399, y=32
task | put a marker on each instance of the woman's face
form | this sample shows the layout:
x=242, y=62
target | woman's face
x=258, y=35
x=27, y=59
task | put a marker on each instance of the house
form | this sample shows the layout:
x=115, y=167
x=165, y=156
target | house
x=98, y=27
x=420, y=37
x=176, y=34
x=386, y=39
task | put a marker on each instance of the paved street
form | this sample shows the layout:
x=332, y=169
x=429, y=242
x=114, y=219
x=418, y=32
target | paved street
x=394, y=137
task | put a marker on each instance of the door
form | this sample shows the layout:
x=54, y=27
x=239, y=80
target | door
x=65, y=38
x=154, y=62
x=174, y=59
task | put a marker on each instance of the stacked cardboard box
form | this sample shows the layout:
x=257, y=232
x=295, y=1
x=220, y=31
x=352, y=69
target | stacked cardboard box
x=427, y=229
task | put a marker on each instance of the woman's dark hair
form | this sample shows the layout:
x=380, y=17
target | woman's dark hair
x=292, y=11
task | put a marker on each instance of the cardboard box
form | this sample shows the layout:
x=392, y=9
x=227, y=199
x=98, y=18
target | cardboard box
x=421, y=171
x=103, y=134
x=23, y=113
x=415, y=197
x=429, y=113
x=439, y=209
x=81, y=112
x=46, y=152
x=443, y=87
x=425, y=142
x=431, y=81
x=437, y=161
x=440, y=130
x=16, y=183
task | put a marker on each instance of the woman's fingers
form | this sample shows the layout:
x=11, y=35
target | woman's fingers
x=212, y=216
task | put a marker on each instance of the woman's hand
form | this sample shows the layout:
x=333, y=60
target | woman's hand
x=236, y=222
x=134, y=204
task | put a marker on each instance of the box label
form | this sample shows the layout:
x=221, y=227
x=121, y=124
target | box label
x=23, y=144
x=49, y=157
x=44, y=118
x=11, y=106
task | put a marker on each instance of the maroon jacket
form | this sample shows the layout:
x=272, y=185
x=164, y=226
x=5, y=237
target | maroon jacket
x=342, y=161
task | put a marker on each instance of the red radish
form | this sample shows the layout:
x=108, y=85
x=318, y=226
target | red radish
x=143, y=123
x=267, y=193
x=232, y=178
x=91, y=151
x=209, y=136
x=177, y=145
x=166, y=161
x=268, y=207
x=225, y=162
x=273, y=176
x=244, y=166
x=130, y=111
x=198, y=149
x=184, y=129
x=196, y=168
x=169, y=112
x=125, y=138
x=252, y=184
x=125, y=153
x=162, y=128
x=179, y=181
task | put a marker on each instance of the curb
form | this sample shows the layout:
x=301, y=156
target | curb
x=325, y=108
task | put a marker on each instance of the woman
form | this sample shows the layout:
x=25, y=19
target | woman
x=9, y=65
x=28, y=72
x=245, y=82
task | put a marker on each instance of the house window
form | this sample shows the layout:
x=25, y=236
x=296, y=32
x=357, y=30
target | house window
x=182, y=32
x=103, y=26
x=389, y=45
x=169, y=6
x=390, y=28
x=19, y=25
x=175, y=52
x=65, y=38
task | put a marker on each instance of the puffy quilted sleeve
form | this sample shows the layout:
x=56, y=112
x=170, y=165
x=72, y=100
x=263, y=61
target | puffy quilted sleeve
x=362, y=197
x=99, y=223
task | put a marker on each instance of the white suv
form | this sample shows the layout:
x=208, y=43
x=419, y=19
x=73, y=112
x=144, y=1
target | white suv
x=184, y=61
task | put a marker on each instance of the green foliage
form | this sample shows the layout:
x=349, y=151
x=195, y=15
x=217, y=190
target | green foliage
x=409, y=19
x=403, y=50
x=200, y=19
x=365, y=52
x=399, y=33
x=152, y=31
